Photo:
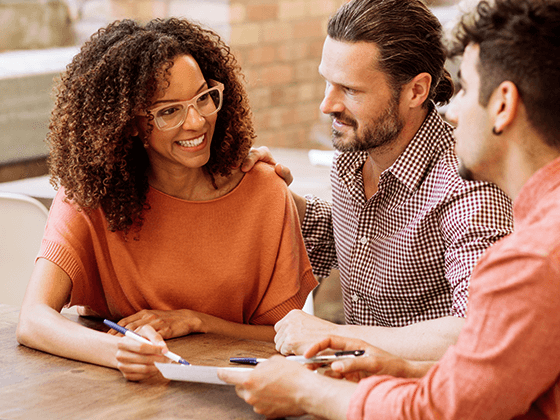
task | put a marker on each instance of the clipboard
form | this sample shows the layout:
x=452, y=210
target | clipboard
x=193, y=373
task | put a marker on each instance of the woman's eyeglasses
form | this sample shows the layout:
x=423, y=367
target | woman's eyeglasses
x=172, y=115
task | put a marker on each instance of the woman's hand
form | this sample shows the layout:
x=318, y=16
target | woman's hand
x=136, y=360
x=177, y=323
x=168, y=324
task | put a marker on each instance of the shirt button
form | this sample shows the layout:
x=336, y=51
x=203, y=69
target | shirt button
x=364, y=240
x=355, y=298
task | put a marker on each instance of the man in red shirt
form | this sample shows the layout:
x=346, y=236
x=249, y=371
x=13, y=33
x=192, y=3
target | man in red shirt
x=505, y=363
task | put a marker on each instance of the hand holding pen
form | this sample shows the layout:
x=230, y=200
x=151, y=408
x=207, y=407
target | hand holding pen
x=318, y=359
x=375, y=361
x=137, y=337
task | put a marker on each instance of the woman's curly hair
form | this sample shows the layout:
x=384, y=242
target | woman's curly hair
x=94, y=154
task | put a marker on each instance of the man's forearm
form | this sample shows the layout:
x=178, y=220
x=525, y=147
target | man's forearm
x=426, y=340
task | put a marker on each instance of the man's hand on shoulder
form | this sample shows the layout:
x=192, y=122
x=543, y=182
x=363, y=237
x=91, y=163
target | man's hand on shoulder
x=263, y=154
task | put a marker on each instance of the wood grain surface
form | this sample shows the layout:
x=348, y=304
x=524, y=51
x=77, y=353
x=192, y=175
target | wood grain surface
x=37, y=385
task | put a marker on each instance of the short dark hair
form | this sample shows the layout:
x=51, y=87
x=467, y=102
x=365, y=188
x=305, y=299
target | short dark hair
x=519, y=41
x=116, y=76
x=408, y=36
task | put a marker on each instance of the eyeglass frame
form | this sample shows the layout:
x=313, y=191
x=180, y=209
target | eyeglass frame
x=191, y=102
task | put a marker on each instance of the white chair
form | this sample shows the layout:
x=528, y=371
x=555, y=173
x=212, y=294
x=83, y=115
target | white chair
x=22, y=224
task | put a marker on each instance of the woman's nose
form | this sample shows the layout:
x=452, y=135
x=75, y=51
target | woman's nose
x=193, y=119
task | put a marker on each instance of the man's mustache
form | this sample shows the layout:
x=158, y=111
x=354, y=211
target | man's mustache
x=339, y=116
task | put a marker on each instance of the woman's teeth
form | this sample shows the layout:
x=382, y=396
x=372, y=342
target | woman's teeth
x=192, y=143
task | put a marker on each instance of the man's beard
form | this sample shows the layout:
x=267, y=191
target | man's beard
x=381, y=132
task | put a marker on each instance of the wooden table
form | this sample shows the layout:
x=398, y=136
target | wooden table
x=37, y=385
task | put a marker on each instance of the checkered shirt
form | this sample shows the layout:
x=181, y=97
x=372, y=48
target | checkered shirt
x=406, y=254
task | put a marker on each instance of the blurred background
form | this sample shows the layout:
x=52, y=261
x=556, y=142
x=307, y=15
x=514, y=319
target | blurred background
x=277, y=42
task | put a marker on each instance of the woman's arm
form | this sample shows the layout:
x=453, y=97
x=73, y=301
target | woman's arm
x=176, y=323
x=42, y=327
x=253, y=332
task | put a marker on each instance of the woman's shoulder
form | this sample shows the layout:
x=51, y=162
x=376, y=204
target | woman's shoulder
x=264, y=175
x=65, y=211
x=62, y=204
x=264, y=171
x=261, y=177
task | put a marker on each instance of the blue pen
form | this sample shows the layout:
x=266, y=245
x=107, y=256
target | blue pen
x=139, y=338
x=246, y=360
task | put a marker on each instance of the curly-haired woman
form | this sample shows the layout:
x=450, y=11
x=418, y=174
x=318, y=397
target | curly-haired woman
x=154, y=223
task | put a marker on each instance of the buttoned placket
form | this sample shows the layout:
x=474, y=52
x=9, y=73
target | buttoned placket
x=365, y=234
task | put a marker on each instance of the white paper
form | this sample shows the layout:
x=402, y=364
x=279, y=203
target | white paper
x=190, y=373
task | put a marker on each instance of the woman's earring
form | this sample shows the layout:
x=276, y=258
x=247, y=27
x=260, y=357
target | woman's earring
x=146, y=145
x=495, y=132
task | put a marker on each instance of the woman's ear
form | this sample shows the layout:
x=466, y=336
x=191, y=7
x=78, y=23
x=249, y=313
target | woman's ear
x=133, y=130
x=503, y=105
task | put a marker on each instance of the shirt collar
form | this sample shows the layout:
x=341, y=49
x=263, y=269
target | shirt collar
x=540, y=184
x=433, y=136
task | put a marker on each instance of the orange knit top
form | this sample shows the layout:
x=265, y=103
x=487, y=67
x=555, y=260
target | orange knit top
x=239, y=257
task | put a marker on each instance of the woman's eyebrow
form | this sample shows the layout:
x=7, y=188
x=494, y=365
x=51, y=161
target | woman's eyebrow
x=204, y=86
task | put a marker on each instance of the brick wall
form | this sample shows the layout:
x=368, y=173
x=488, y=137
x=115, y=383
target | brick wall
x=278, y=44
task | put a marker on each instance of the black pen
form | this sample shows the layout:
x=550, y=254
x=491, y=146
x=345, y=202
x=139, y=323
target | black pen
x=327, y=358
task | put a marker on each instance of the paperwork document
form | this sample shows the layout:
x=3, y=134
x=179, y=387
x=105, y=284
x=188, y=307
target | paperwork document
x=205, y=374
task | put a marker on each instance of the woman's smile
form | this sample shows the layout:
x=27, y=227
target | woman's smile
x=192, y=142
